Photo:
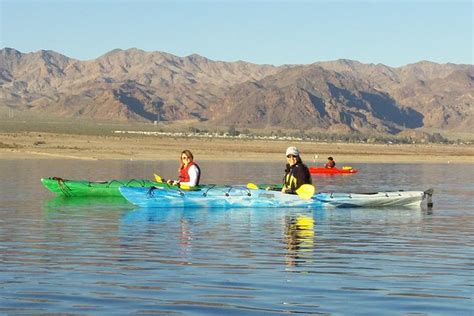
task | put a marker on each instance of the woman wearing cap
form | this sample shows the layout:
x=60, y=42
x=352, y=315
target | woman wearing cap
x=189, y=171
x=296, y=173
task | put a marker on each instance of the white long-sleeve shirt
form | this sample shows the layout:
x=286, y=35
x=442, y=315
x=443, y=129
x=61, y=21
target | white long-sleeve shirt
x=193, y=172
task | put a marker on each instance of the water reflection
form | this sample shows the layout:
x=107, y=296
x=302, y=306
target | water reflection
x=299, y=235
x=167, y=231
x=65, y=202
x=186, y=235
x=186, y=230
x=173, y=225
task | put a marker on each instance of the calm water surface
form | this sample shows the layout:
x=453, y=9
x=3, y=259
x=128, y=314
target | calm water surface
x=103, y=256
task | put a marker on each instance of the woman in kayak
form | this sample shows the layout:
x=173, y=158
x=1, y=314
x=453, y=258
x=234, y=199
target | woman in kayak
x=330, y=164
x=189, y=171
x=296, y=173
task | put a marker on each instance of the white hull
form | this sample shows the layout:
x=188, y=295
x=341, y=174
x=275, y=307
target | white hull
x=377, y=199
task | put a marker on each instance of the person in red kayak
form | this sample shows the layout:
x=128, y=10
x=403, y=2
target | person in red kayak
x=296, y=173
x=189, y=171
x=330, y=164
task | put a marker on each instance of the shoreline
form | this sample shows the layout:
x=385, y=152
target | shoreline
x=35, y=145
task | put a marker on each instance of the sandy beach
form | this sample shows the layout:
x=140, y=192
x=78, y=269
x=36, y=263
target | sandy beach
x=33, y=145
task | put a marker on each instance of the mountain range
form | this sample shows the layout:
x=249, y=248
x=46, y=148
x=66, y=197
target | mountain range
x=342, y=96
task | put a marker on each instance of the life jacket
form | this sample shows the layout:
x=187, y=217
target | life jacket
x=292, y=182
x=330, y=164
x=184, y=175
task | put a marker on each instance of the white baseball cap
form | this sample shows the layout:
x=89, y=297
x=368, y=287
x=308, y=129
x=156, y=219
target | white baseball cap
x=292, y=150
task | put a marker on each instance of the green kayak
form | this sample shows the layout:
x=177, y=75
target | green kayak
x=64, y=187
x=78, y=188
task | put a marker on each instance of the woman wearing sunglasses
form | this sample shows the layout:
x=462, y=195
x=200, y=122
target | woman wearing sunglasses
x=296, y=173
x=189, y=171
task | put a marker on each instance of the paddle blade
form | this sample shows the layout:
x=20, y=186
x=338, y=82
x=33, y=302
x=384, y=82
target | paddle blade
x=158, y=178
x=306, y=191
x=252, y=186
x=185, y=187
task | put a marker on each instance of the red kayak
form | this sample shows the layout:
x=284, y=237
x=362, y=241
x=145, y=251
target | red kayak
x=344, y=170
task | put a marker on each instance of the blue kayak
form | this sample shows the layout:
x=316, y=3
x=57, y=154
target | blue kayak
x=217, y=196
x=241, y=196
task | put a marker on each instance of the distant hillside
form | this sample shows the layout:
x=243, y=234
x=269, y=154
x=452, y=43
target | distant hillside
x=337, y=96
x=120, y=85
x=443, y=94
x=311, y=96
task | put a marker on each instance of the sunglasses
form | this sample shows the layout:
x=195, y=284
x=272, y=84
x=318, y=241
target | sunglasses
x=291, y=156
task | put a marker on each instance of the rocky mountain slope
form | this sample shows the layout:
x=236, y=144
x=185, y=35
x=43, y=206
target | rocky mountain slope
x=337, y=96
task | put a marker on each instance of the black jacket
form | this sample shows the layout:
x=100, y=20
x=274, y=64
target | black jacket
x=296, y=176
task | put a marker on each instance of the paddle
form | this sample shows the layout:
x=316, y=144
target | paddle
x=305, y=192
x=252, y=186
x=159, y=179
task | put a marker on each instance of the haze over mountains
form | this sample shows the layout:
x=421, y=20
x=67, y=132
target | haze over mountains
x=336, y=96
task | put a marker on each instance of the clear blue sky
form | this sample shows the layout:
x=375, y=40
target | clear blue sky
x=394, y=33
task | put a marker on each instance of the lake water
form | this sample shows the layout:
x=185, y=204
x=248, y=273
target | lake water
x=104, y=257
